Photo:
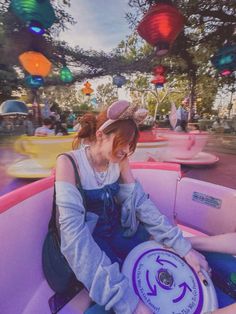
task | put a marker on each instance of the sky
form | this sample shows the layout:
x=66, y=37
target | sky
x=101, y=24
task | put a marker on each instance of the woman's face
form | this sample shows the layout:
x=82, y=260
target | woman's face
x=107, y=146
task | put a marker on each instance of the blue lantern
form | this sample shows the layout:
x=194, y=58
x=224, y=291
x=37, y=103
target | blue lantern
x=225, y=60
x=94, y=102
x=119, y=80
x=37, y=14
x=34, y=81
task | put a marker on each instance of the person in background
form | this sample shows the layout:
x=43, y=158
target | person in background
x=77, y=125
x=218, y=251
x=28, y=125
x=60, y=130
x=216, y=124
x=182, y=115
x=45, y=129
x=193, y=128
x=181, y=127
x=70, y=120
x=125, y=215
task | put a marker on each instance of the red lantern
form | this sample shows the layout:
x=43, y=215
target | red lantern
x=160, y=26
x=159, y=79
x=159, y=70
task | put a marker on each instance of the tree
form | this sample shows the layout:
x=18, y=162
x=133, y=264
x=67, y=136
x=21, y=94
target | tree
x=157, y=101
x=208, y=26
x=66, y=98
x=106, y=94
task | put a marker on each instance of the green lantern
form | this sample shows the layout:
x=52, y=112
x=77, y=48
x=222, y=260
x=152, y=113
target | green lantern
x=37, y=14
x=66, y=75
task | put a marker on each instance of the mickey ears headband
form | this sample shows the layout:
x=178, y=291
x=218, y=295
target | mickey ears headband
x=122, y=110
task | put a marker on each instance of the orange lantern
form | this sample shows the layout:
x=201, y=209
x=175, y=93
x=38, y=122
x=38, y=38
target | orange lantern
x=35, y=63
x=87, y=90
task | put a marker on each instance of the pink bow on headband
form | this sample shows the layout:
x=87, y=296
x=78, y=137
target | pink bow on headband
x=122, y=110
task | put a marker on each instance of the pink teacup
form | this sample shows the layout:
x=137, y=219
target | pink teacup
x=184, y=145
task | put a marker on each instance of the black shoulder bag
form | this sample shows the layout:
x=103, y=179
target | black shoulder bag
x=57, y=271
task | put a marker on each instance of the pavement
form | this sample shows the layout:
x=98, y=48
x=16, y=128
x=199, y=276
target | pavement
x=222, y=172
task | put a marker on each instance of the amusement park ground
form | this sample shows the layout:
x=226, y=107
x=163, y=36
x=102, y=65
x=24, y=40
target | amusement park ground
x=221, y=173
x=224, y=171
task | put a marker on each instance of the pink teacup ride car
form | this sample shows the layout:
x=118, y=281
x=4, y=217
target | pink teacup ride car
x=149, y=144
x=158, y=276
x=184, y=148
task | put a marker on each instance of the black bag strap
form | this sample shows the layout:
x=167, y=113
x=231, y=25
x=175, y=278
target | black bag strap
x=52, y=223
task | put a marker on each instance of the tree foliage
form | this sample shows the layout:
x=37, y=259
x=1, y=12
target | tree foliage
x=209, y=24
x=158, y=100
x=106, y=94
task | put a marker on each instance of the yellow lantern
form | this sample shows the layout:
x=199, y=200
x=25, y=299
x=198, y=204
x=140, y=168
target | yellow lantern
x=35, y=63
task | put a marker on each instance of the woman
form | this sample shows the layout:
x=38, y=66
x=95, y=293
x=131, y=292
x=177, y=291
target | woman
x=125, y=214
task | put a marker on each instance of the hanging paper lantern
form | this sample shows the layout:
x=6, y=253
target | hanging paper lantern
x=225, y=60
x=37, y=14
x=87, y=90
x=34, y=81
x=35, y=63
x=159, y=69
x=65, y=75
x=119, y=80
x=160, y=26
x=159, y=79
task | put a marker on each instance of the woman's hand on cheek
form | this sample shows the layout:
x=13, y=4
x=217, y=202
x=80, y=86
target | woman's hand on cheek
x=124, y=164
x=126, y=175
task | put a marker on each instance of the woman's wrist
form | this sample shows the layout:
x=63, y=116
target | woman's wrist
x=126, y=175
x=198, y=242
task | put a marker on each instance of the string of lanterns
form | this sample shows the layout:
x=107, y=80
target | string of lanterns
x=160, y=27
x=38, y=16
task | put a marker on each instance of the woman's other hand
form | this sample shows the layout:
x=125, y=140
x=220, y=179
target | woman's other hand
x=197, y=261
x=142, y=309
